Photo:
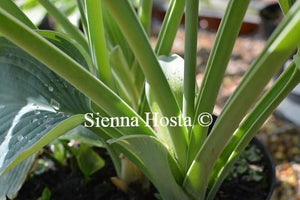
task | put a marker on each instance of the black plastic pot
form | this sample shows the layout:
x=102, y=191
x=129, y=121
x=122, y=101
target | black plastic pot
x=271, y=16
x=269, y=172
x=235, y=189
x=270, y=167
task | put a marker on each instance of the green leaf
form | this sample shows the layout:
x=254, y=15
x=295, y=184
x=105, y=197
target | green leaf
x=190, y=57
x=169, y=27
x=297, y=60
x=83, y=135
x=138, y=40
x=14, y=63
x=277, y=50
x=157, y=164
x=12, y=181
x=135, y=3
x=34, y=11
x=68, y=27
x=124, y=79
x=115, y=37
x=145, y=13
x=97, y=41
x=88, y=160
x=71, y=71
x=216, y=66
x=33, y=100
x=59, y=152
x=80, y=5
x=286, y=5
x=13, y=9
x=173, y=67
x=46, y=195
x=70, y=47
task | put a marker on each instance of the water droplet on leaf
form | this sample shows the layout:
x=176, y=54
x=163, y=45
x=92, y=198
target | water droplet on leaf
x=47, y=126
x=33, y=120
x=50, y=88
x=65, y=84
x=20, y=137
x=55, y=104
x=37, y=112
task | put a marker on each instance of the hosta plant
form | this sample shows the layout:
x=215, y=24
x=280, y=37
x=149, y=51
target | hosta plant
x=88, y=82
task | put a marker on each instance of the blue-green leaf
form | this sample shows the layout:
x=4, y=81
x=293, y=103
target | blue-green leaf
x=173, y=68
x=161, y=168
x=36, y=105
x=11, y=182
x=84, y=135
x=88, y=160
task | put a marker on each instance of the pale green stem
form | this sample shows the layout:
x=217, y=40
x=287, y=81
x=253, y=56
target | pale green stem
x=68, y=27
x=14, y=10
x=215, y=69
x=80, y=4
x=190, y=57
x=97, y=41
x=145, y=13
x=169, y=28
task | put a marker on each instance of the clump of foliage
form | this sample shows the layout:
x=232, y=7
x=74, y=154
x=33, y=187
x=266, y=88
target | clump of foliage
x=49, y=80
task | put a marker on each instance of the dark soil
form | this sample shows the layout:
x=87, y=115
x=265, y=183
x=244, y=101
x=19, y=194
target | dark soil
x=252, y=177
x=239, y=190
x=66, y=184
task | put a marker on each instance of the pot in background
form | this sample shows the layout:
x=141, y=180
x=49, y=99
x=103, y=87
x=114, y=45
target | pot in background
x=236, y=189
x=271, y=15
x=209, y=18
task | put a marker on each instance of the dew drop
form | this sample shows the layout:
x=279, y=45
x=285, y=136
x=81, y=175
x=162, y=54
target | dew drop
x=55, y=104
x=2, y=106
x=33, y=120
x=47, y=126
x=65, y=84
x=50, y=88
x=37, y=112
x=60, y=114
x=20, y=137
